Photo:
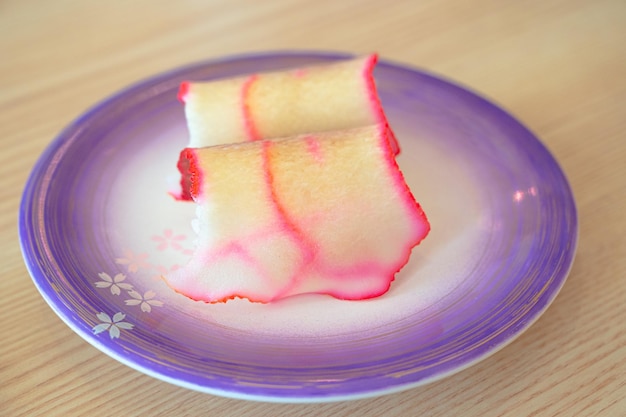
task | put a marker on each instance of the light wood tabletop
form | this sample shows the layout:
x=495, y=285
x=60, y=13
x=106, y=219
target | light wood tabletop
x=558, y=66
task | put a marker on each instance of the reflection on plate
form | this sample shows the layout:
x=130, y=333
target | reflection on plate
x=97, y=230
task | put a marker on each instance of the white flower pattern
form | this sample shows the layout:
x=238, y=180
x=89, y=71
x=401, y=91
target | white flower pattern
x=115, y=283
x=113, y=325
x=136, y=262
x=145, y=301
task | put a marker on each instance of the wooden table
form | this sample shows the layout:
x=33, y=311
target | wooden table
x=559, y=66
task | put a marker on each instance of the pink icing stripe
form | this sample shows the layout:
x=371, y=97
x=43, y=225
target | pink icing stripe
x=420, y=222
x=233, y=248
x=342, y=280
x=289, y=225
x=248, y=119
x=313, y=147
x=303, y=241
x=183, y=90
x=191, y=175
x=375, y=104
x=237, y=249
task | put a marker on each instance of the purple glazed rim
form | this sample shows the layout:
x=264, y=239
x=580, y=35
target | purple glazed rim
x=541, y=291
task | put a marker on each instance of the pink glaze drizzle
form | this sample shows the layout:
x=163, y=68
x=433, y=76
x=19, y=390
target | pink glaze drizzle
x=234, y=248
x=191, y=176
x=288, y=224
x=313, y=147
x=375, y=104
x=246, y=111
x=183, y=90
x=420, y=222
x=306, y=247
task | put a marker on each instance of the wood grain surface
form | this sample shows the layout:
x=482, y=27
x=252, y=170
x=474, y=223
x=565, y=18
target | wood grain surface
x=559, y=66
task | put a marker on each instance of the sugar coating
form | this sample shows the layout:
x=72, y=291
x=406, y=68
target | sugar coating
x=324, y=213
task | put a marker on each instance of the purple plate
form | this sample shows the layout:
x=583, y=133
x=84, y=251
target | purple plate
x=98, y=228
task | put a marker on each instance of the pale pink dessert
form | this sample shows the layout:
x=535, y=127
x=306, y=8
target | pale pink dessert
x=280, y=104
x=327, y=213
x=319, y=98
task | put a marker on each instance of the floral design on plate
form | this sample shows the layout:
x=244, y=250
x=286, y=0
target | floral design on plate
x=113, y=325
x=145, y=301
x=135, y=264
x=114, y=283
